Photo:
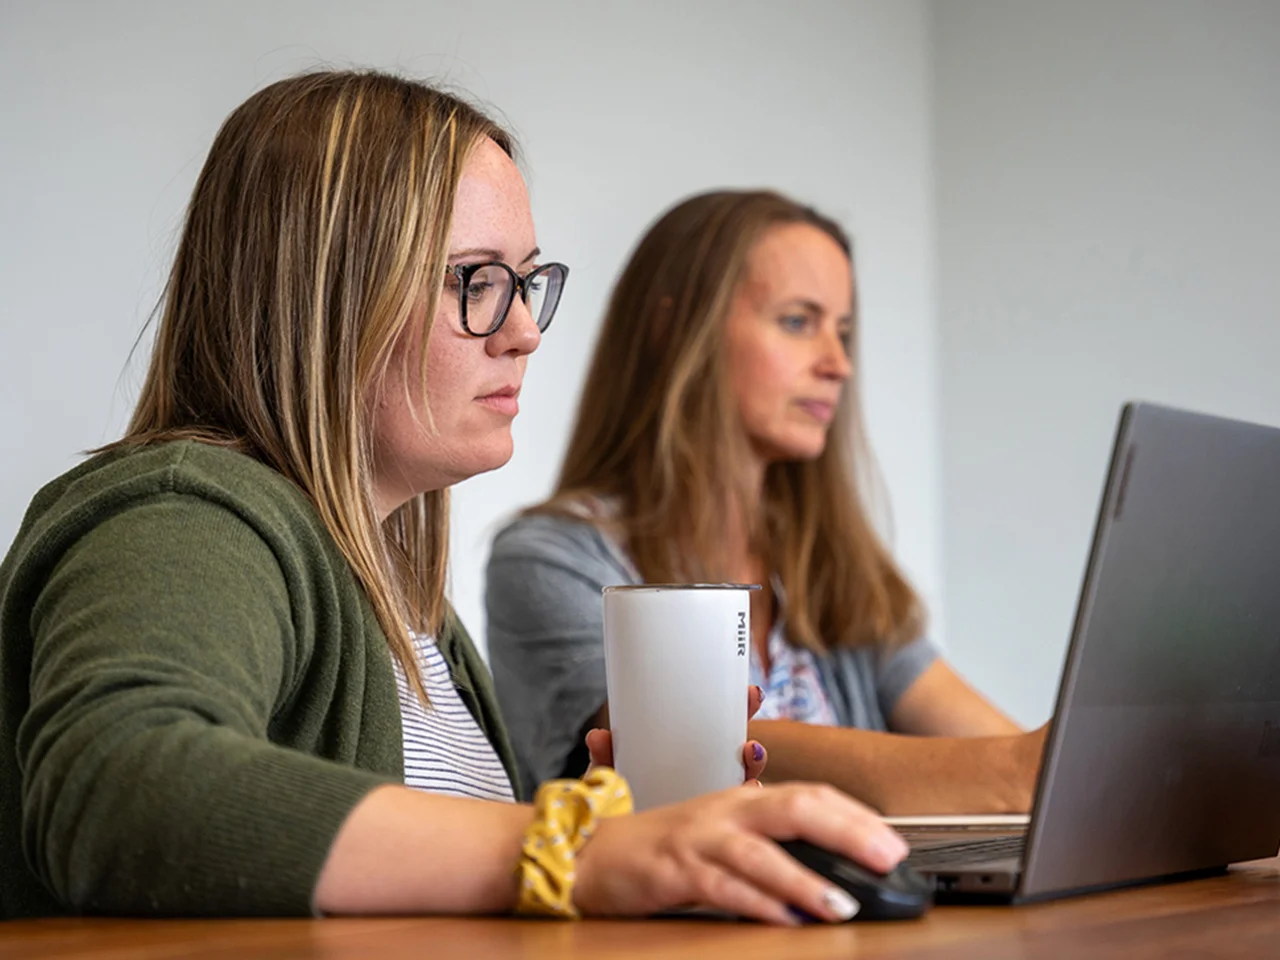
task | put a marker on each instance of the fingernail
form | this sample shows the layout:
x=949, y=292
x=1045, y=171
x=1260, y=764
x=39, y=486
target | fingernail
x=892, y=846
x=757, y=752
x=760, y=690
x=840, y=903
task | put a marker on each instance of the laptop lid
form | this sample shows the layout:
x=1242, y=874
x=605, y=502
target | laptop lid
x=1164, y=754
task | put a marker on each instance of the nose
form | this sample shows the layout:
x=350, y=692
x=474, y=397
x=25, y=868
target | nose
x=834, y=362
x=519, y=334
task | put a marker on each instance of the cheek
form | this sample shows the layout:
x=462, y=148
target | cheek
x=450, y=367
x=467, y=435
x=762, y=380
x=403, y=422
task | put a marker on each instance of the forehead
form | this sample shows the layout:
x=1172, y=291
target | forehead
x=491, y=208
x=800, y=260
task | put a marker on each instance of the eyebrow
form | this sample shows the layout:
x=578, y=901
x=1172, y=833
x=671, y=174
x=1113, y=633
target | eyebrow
x=814, y=307
x=488, y=253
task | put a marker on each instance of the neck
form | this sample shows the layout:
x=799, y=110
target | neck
x=386, y=503
x=743, y=513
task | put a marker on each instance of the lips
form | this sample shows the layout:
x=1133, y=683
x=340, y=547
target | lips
x=820, y=410
x=505, y=400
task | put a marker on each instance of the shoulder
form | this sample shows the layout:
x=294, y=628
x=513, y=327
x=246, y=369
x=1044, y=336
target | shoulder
x=875, y=659
x=866, y=682
x=234, y=480
x=552, y=538
x=180, y=467
x=540, y=561
x=186, y=485
x=920, y=651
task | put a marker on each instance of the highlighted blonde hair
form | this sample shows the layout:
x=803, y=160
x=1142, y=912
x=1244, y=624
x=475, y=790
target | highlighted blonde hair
x=319, y=224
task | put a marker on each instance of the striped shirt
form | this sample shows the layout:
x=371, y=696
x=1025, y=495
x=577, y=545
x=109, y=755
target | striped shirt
x=445, y=751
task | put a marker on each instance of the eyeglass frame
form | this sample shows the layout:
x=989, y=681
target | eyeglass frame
x=520, y=287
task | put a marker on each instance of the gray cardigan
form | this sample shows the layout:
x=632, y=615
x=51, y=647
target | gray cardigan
x=545, y=613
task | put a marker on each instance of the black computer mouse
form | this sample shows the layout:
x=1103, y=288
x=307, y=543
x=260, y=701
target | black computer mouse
x=900, y=894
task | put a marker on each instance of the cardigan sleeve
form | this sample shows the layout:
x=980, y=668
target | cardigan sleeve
x=162, y=643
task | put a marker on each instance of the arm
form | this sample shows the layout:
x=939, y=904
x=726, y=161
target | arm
x=941, y=704
x=901, y=775
x=965, y=757
x=164, y=645
x=163, y=642
x=403, y=851
x=163, y=651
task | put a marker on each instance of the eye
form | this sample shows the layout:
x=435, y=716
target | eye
x=477, y=290
x=795, y=323
x=846, y=339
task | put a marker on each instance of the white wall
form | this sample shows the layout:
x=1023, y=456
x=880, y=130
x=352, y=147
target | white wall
x=1109, y=227
x=109, y=107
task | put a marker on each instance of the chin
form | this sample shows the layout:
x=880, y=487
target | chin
x=491, y=456
x=800, y=447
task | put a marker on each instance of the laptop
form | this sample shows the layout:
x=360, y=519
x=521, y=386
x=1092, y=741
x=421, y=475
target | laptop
x=1163, y=758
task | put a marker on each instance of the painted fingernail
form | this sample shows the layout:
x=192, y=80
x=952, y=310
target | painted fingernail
x=840, y=903
x=760, y=690
x=757, y=752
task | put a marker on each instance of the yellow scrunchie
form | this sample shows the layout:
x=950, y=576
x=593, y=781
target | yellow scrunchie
x=567, y=811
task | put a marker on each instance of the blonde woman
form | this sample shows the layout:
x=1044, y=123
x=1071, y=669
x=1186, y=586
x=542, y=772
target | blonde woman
x=229, y=680
x=719, y=438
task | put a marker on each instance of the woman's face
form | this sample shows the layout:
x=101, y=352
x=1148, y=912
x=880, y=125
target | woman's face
x=787, y=341
x=473, y=384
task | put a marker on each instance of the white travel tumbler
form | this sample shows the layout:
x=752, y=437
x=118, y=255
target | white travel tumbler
x=676, y=660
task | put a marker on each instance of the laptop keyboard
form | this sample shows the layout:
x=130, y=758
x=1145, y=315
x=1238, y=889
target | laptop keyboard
x=946, y=854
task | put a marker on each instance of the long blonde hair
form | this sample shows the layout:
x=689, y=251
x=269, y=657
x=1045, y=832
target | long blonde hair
x=659, y=436
x=319, y=221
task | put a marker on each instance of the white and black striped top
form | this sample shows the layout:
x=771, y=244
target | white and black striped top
x=445, y=751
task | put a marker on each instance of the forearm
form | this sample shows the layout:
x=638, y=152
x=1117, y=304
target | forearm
x=403, y=851
x=180, y=819
x=903, y=775
x=940, y=703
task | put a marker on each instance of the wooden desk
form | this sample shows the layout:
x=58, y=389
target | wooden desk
x=1237, y=915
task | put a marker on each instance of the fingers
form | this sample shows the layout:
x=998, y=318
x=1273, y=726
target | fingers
x=831, y=819
x=724, y=889
x=600, y=747
x=775, y=877
x=754, y=759
x=754, y=755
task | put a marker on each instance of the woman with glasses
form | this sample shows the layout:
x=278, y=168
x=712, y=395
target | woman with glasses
x=230, y=683
x=719, y=438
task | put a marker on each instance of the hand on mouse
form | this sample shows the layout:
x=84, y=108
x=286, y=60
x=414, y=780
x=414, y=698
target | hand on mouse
x=754, y=755
x=718, y=851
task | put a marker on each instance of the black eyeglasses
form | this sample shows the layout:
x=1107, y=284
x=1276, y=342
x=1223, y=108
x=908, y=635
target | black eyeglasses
x=487, y=290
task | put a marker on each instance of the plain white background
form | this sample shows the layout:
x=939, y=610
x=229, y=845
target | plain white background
x=1109, y=228
x=1102, y=227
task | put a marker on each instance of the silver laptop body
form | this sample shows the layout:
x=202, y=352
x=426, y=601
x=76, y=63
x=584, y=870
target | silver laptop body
x=1163, y=759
